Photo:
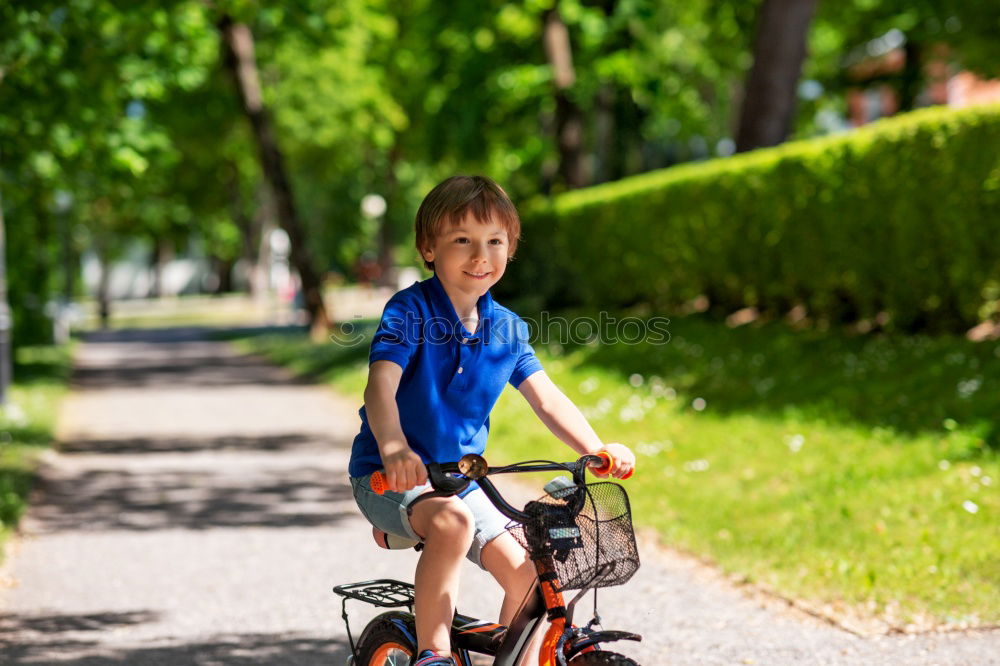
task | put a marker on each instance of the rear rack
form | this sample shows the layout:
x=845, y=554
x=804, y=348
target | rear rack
x=384, y=592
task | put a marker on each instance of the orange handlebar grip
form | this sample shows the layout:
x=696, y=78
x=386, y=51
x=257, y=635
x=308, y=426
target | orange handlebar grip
x=378, y=482
x=609, y=463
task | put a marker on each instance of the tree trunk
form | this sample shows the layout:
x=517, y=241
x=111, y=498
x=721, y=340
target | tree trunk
x=250, y=232
x=604, y=130
x=6, y=373
x=104, y=283
x=223, y=269
x=912, y=77
x=158, y=259
x=779, y=50
x=569, y=121
x=69, y=259
x=242, y=64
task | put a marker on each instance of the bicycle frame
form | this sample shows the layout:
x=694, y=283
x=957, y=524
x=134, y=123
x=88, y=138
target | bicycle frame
x=545, y=600
x=562, y=640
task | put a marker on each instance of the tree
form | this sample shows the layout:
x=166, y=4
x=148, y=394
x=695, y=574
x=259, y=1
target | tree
x=242, y=64
x=568, y=121
x=767, y=115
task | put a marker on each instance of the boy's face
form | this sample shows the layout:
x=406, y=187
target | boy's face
x=469, y=257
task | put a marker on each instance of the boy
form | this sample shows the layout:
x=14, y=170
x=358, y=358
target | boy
x=440, y=358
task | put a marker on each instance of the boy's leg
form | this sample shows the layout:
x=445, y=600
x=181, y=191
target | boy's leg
x=447, y=526
x=508, y=563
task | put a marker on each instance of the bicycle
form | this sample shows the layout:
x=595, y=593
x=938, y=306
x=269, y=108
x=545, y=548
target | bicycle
x=578, y=535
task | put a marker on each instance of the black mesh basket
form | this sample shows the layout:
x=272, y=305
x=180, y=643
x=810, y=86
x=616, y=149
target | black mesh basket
x=587, y=532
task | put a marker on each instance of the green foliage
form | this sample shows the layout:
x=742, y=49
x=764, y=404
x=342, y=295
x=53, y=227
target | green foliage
x=124, y=111
x=27, y=423
x=900, y=217
x=93, y=94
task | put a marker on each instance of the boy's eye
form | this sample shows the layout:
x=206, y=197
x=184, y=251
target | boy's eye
x=461, y=239
x=496, y=241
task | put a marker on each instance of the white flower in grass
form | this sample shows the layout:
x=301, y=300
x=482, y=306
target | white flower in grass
x=14, y=414
x=648, y=448
x=667, y=392
x=795, y=442
x=636, y=380
x=589, y=385
x=970, y=506
x=699, y=465
x=699, y=404
x=966, y=388
x=986, y=481
x=631, y=413
x=944, y=465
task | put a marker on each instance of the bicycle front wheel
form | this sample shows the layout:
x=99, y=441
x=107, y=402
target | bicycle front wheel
x=388, y=640
x=601, y=659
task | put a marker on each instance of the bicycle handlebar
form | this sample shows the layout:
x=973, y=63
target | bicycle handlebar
x=443, y=481
x=447, y=479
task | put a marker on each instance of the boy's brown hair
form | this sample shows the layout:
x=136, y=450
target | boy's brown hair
x=451, y=200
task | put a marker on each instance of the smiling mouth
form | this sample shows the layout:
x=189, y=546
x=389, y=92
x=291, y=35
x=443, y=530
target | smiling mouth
x=478, y=276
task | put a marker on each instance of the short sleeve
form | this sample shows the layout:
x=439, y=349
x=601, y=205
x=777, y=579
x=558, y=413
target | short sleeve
x=397, y=335
x=527, y=363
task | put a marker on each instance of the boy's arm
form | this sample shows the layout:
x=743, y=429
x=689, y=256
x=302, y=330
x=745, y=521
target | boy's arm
x=403, y=468
x=566, y=422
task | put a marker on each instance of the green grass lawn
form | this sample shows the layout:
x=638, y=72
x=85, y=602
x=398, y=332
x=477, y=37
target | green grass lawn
x=860, y=473
x=27, y=423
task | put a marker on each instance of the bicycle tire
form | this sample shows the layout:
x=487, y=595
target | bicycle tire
x=384, y=641
x=601, y=658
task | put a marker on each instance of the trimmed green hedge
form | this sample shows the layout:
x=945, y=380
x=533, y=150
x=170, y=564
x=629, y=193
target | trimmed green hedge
x=901, y=216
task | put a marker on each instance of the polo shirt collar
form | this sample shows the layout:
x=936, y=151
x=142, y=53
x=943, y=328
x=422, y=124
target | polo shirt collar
x=443, y=307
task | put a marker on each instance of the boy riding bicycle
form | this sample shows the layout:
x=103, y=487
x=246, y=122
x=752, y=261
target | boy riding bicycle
x=442, y=354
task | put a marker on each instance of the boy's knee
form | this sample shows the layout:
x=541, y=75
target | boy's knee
x=455, y=520
x=452, y=519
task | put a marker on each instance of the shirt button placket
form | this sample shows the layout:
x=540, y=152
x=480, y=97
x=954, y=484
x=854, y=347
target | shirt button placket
x=463, y=358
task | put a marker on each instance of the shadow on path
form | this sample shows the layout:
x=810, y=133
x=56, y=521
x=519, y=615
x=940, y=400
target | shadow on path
x=48, y=623
x=45, y=639
x=170, y=357
x=131, y=500
x=240, y=443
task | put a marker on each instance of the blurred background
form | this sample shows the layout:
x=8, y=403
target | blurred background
x=152, y=150
x=809, y=189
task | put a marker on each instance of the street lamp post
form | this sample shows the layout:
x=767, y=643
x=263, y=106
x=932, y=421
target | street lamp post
x=373, y=206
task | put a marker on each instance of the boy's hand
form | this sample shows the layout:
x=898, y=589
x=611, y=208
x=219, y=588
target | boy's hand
x=403, y=468
x=624, y=460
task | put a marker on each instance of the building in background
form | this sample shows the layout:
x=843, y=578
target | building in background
x=877, y=70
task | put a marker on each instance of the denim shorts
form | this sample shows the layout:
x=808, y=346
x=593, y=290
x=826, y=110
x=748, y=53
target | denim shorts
x=389, y=513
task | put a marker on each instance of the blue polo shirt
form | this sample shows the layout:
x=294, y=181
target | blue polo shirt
x=451, y=378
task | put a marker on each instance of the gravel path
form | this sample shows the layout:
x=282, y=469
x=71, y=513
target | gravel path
x=198, y=513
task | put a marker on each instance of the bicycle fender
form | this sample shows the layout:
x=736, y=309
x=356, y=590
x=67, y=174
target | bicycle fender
x=581, y=643
x=402, y=621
